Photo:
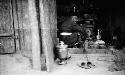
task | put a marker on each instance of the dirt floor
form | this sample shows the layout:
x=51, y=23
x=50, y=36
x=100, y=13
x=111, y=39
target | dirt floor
x=18, y=65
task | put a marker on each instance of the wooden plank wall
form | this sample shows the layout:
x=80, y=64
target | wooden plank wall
x=48, y=27
x=6, y=26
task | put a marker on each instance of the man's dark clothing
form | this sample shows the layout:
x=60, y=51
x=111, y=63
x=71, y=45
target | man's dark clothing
x=70, y=26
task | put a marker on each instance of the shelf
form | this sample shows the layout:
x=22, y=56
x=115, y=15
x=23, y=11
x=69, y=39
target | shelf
x=89, y=26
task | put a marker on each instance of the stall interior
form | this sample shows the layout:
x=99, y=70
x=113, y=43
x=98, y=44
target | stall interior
x=93, y=23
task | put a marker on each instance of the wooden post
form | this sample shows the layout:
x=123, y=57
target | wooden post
x=46, y=17
x=35, y=35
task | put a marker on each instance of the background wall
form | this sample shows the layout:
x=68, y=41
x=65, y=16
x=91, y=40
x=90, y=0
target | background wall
x=120, y=19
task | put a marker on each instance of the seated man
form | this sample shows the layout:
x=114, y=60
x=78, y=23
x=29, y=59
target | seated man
x=70, y=26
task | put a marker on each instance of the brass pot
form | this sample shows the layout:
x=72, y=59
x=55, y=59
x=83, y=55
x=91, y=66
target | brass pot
x=63, y=51
x=63, y=54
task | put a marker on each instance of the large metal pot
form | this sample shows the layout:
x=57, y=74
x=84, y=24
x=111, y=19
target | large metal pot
x=63, y=51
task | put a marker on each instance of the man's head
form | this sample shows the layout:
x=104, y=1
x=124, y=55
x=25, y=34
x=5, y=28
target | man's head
x=74, y=18
x=86, y=15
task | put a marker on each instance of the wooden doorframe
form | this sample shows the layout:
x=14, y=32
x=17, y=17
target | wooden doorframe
x=47, y=26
